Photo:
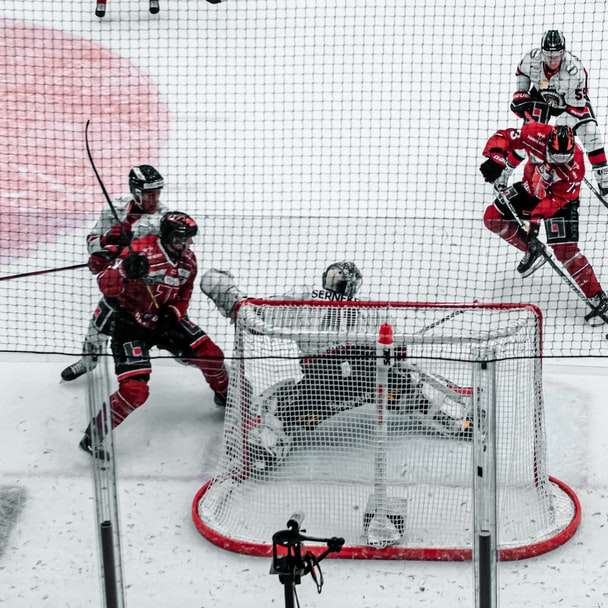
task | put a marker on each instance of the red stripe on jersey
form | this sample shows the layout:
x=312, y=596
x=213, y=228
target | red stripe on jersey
x=198, y=342
x=597, y=157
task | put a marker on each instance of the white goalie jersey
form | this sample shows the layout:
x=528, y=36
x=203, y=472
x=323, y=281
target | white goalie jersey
x=331, y=330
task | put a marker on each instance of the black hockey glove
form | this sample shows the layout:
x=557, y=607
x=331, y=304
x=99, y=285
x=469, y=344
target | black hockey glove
x=491, y=170
x=167, y=319
x=135, y=266
x=531, y=106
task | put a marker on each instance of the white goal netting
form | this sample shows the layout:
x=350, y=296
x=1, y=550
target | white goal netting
x=302, y=429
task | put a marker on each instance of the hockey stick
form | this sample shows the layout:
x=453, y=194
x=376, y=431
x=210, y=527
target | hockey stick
x=445, y=319
x=47, y=271
x=543, y=251
x=109, y=200
x=596, y=192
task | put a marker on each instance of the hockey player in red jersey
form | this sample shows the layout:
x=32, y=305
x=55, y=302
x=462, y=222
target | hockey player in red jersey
x=549, y=193
x=551, y=82
x=151, y=284
x=139, y=213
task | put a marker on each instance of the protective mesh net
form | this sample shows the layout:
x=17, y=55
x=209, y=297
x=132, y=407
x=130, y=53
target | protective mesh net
x=296, y=133
x=302, y=429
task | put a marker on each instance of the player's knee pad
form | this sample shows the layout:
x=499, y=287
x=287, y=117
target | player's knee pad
x=134, y=391
x=494, y=220
x=566, y=252
x=207, y=354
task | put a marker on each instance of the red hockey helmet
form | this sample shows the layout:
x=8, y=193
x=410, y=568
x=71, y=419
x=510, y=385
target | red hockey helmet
x=176, y=228
x=560, y=146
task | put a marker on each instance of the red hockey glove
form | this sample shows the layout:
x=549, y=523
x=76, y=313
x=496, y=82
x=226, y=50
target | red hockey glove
x=521, y=103
x=119, y=234
x=99, y=261
x=135, y=266
x=110, y=282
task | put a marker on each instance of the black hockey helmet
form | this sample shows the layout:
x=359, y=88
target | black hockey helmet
x=177, y=224
x=553, y=41
x=144, y=178
x=553, y=47
x=343, y=278
x=560, y=145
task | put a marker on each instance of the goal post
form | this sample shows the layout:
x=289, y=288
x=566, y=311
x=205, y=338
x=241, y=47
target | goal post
x=379, y=443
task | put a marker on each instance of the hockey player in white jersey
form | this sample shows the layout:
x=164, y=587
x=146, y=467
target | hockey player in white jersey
x=139, y=213
x=551, y=83
x=322, y=383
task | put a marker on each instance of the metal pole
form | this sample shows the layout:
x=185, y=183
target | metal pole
x=104, y=478
x=484, y=479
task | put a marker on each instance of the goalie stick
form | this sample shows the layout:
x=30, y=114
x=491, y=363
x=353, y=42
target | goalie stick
x=109, y=200
x=543, y=251
x=443, y=320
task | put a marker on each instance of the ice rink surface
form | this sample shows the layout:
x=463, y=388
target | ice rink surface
x=296, y=134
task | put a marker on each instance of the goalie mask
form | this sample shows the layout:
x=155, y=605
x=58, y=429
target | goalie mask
x=342, y=278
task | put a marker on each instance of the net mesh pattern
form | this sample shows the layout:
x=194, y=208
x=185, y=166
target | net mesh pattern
x=301, y=430
x=296, y=133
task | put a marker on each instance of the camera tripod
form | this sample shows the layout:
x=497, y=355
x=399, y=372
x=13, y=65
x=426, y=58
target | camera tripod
x=292, y=566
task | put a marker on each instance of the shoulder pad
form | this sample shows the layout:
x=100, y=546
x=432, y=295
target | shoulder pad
x=535, y=53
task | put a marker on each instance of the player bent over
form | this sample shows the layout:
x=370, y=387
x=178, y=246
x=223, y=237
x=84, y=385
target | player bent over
x=151, y=286
x=139, y=213
x=551, y=82
x=324, y=382
x=549, y=193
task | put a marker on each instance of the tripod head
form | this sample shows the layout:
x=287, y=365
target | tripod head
x=292, y=566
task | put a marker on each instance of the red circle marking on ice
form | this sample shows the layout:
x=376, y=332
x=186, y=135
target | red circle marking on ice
x=51, y=84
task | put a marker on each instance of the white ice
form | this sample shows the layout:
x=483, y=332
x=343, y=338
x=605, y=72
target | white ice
x=225, y=74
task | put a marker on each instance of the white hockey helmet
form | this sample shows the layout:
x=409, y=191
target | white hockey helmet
x=343, y=278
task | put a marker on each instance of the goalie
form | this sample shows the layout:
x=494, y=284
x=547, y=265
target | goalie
x=328, y=381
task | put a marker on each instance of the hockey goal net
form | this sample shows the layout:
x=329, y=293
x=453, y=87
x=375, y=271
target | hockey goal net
x=306, y=432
